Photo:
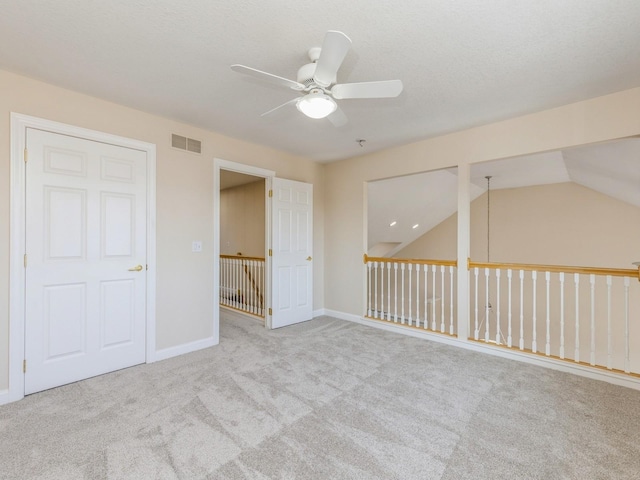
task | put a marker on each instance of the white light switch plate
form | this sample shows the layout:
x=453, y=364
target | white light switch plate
x=196, y=246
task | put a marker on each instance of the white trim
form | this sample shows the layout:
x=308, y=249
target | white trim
x=219, y=164
x=463, y=249
x=4, y=397
x=171, y=352
x=319, y=313
x=19, y=124
x=576, y=369
x=344, y=316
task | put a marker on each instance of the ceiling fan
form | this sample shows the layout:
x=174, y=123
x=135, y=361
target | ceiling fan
x=316, y=81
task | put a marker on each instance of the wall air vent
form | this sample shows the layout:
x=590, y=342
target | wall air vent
x=194, y=146
x=184, y=143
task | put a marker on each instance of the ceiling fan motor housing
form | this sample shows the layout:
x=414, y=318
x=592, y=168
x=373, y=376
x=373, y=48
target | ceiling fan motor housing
x=305, y=74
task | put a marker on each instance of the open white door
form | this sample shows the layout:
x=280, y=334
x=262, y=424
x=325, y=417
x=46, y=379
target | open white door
x=292, y=246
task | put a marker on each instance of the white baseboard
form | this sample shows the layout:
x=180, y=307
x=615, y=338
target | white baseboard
x=319, y=313
x=184, y=348
x=552, y=363
x=4, y=397
x=343, y=316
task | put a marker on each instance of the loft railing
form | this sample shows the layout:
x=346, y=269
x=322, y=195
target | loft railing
x=589, y=316
x=414, y=293
x=242, y=283
x=584, y=315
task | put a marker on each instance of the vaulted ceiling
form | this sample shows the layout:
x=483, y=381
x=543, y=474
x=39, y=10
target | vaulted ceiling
x=463, y=63
x=428, y=198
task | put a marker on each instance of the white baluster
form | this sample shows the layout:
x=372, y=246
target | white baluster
x=369, y=287
x=389, y=290
x=222, y=285
x=418, y=295
x=375, y=289
x=626, y=325
x=395, y=292
x=592, y=281
x=509, y=331
x=433, y=298
x=547, y=347
x=451, y=329
x=476, y=333
x=609, y=334
x=410, y=267
x=263, y=283
x=534, y=342
x=402, y=270
x=576, y=281
x=487, y=305
x=256, y=290
x=244, y=285
x=521, y=345
x=239, y=285
x=260, y=287
x=426, y=296
x=250, y=289
x=498, y=306
x=230, y=293
x=234, y=303
x=562, y=315
x=243, y=277
x=442, y=298
x=382, y=290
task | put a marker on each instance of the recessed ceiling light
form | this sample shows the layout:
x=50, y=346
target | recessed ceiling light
x=392, y=223
x=416, y=225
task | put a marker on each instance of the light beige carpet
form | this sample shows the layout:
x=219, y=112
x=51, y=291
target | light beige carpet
x=326, y=399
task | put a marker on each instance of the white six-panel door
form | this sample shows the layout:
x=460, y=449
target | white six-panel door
x=86, y=259
x=292, y=262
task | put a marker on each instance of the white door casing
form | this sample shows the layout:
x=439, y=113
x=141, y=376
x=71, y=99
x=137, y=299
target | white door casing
x=292, y=245
x=86, y=259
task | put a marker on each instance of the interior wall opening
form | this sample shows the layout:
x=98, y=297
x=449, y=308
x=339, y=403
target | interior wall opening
x=242, y=243
x=412, y=250
x=554, y=237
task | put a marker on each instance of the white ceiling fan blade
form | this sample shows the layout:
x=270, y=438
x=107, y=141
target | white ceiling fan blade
x=382, y=89
x=334, y=49
x=279, y=107
x=285, y=82
x=338, y=118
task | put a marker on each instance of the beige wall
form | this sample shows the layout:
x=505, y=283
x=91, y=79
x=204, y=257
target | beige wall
x=242, y=227
x=560, y=224
x=184, y=200
x=600, y=119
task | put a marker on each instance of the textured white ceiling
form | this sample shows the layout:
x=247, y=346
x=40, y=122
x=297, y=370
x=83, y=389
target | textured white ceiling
x=428, y=198
x=463, y=62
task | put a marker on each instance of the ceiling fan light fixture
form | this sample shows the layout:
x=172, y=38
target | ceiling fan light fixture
x=317, y=105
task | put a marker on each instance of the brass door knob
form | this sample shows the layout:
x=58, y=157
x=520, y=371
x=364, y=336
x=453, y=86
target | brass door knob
x=137, y=268
x=308, y=258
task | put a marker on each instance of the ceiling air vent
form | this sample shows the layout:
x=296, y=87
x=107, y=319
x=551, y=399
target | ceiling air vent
x=184, y=143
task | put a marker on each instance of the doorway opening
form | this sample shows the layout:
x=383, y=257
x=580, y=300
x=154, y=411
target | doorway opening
x=229, y=176
x=242, y=243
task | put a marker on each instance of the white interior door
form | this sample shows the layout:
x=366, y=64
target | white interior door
x=292, y=262
x=86, y=259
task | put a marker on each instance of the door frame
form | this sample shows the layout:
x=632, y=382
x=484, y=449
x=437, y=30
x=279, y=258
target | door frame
x=268, y=175
x=17, y=277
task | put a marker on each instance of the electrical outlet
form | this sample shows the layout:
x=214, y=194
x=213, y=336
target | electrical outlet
x=196, y=246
